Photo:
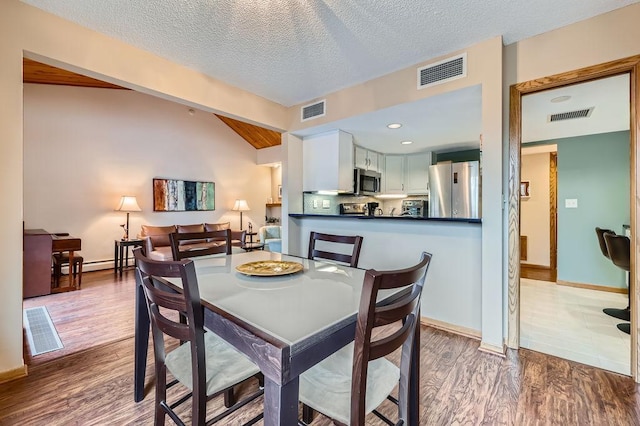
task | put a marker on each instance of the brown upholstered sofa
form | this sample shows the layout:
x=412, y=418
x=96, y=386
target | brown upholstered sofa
x=157, y=244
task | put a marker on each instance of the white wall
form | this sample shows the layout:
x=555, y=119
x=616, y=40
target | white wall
x=454, y=281
x=84, y=148
x=534, y=211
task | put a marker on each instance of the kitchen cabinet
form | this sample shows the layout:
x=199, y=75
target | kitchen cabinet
x=417, y=173
x=366, y=159
x=394, y=174
x=407, y=174
x=327, y=161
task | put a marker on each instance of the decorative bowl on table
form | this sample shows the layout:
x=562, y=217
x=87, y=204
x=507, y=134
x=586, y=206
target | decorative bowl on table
x=269, y=268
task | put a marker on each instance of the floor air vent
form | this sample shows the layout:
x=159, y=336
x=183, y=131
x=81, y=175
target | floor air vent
x=41, y=333
x=443, y=71
x=315, y=110
x=581, y=113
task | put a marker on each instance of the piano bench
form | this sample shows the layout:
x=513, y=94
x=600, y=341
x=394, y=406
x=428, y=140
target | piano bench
x=61, y=259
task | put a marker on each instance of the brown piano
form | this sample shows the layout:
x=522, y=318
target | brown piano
x=39, y=245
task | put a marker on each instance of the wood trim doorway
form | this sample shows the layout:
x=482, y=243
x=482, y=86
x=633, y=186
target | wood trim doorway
x=631, y=66
x=539, y=272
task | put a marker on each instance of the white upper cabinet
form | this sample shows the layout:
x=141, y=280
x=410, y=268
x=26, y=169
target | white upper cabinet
x=376, y=161
x=368, y=160
x=406, y=174
x=393, y=178
x=417, y=172
x=327, y=160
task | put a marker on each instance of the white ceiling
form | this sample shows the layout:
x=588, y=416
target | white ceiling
x=295, y=51
x=609, y=96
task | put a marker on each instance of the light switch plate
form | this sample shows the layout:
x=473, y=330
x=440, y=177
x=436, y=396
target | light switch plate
x=315, y=204
x=326, y=204
x=571, y=203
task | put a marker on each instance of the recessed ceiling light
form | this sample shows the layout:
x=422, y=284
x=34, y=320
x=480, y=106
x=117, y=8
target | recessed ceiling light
x=394, y=125
x=406, y=142
x=560, y=99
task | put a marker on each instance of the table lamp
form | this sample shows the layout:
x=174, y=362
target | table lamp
x=241, y=206
x=128, y=203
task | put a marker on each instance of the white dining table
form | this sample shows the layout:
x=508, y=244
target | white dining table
x=285, y=324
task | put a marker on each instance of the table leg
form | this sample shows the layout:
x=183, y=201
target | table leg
x=280, y=402
x=126, y=259
x=115, y=257
x=141, y=343
x=121, y=252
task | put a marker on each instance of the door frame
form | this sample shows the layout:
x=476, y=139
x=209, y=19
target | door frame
x=631, y=66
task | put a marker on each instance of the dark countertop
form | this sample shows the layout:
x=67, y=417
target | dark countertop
x=379, y=218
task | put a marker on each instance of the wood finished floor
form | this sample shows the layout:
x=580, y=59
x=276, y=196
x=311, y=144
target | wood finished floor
x=90, y=381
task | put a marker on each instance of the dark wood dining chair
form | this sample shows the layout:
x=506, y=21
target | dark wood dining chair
x=194, y=244
x=205, y=364
x=350, y=259
x=354, y=381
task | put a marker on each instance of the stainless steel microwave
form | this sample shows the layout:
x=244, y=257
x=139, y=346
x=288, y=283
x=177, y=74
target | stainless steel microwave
x=366, y=182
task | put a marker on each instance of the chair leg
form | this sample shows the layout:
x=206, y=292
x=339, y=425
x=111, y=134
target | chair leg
x=161, y=395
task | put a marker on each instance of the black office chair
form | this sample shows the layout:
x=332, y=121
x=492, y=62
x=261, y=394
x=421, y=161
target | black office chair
x=623, y=314
x=619, y=248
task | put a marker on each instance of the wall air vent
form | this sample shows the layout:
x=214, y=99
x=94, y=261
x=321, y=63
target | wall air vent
x=315, y=110
x=440, y=72
x=581, y=113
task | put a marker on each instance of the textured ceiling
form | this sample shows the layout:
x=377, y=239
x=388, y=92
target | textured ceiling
x=293, y=51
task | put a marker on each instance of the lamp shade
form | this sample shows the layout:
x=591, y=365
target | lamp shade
x=241, y=206
x=128, y=203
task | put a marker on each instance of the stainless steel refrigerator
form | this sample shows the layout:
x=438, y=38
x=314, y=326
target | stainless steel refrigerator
x=454, y=190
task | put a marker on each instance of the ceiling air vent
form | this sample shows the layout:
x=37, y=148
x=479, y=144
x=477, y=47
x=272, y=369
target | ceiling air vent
x=581, y=113
x=440, y=72
x=315, y=110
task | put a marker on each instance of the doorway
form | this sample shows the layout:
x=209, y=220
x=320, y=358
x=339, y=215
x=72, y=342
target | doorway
x=628, y=65
x=538, y=213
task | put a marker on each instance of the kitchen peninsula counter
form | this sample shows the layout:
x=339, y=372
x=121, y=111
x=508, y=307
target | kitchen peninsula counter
x=384, y=218
x=394, y=242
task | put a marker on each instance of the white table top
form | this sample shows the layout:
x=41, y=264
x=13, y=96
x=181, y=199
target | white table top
x=289, y=307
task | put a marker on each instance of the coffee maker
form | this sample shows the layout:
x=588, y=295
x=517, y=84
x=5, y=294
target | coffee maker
x=371, y=208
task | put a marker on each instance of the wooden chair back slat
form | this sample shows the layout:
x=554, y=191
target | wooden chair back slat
x=390, y=343
x=396, y=311
x=350, y=259
x=222, y=236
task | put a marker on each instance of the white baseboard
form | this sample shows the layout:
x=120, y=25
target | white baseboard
x=493, y=350
x=451, y=328
x=96, y=266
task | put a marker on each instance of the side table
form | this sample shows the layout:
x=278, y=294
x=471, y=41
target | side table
x=121, y=253
x=250, y=245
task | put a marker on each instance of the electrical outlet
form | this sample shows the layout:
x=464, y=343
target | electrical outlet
x=315, y=204
x=326, y=204
x=571, y=203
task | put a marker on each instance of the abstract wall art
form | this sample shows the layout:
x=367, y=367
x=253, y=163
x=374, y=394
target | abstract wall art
x=171, y=195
